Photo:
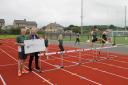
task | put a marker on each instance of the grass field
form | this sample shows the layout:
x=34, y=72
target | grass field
x=121, y=40
x=7, y=36
x=83, y=38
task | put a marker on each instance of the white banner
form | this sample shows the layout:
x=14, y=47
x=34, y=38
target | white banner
x=35, y=45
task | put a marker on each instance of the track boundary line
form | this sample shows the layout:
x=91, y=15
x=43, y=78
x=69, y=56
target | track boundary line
x=8, y=65
x=2, y=79
x=71, y=73
x=105, y=72
x=109, y=64
x=102, y=71
x=26, y=67
x=119, y=61
x=113, y=65
x=75, y=74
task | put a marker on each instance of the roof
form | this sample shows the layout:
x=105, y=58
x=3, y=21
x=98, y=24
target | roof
x=55, y=25
x=20, y=21
x=31, y=23
x=2, y=21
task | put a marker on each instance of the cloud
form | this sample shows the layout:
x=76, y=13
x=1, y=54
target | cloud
x=65, y=12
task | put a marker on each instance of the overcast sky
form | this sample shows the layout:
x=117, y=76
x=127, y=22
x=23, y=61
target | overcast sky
x=64, y=12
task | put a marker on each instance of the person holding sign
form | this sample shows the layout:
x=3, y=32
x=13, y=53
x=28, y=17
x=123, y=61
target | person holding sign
x=22, y=56
x=33, y=35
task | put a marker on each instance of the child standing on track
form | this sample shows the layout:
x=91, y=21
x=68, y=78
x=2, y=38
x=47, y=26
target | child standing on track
x=77, y=39
x=22, y=56
x=46, y=45
x=60, y=40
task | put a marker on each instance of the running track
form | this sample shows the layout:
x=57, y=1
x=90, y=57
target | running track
x=106, y=72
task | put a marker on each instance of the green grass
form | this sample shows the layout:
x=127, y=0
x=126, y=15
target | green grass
x=7, y=36
x=121, y=40
x=83, y=38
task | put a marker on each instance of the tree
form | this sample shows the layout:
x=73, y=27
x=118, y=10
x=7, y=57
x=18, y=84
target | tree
x=112, y=27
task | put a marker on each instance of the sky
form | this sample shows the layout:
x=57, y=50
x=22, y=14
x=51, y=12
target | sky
x=64, y=12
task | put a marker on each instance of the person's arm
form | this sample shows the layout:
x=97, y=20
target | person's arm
x=91, y=33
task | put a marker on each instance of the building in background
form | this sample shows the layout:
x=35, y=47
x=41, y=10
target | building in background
x=24, y=23
x=54, y=27
x=2, y=22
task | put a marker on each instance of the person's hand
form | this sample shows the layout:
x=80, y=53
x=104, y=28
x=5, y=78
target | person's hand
x=22, y=44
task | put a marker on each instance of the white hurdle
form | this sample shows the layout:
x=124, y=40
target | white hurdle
x=79, y=54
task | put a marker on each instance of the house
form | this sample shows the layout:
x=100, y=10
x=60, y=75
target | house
x=24, y=23
x=31, y=24
x=54, y=27
x=2, y=22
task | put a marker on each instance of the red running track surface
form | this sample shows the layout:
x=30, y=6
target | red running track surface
x=106, y=72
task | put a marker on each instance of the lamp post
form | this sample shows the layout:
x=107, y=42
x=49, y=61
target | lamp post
x=82, y=16
x=125, y=20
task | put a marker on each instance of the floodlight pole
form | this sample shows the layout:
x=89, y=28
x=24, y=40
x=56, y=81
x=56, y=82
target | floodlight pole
x=82, y=16
x=125, y=20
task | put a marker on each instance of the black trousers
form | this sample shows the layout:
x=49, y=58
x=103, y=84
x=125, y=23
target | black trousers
x=32, y=56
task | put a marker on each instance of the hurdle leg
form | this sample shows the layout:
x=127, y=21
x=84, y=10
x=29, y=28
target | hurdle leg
x=47, y=52
x=62, y=59
x=99, y=51
x=94, y=52
x=108, y=53
x=80, y=59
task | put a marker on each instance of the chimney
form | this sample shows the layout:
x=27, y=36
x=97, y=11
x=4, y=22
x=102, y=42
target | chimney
x=25, y=20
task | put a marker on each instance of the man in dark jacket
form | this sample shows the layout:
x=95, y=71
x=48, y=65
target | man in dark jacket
x=33, y=35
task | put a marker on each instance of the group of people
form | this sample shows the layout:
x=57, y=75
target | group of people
x=33, y=35
x=21, y=50
x=94, y=37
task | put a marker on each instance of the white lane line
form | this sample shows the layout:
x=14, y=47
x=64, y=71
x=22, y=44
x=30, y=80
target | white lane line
x=103, y=70
x=119, y=61
x=5, y=65
x=113, y=65
x=110, y=64
x=2, y=79
x=75, y=74
x=26, y=67
x=71, y=73
x=98, y=62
